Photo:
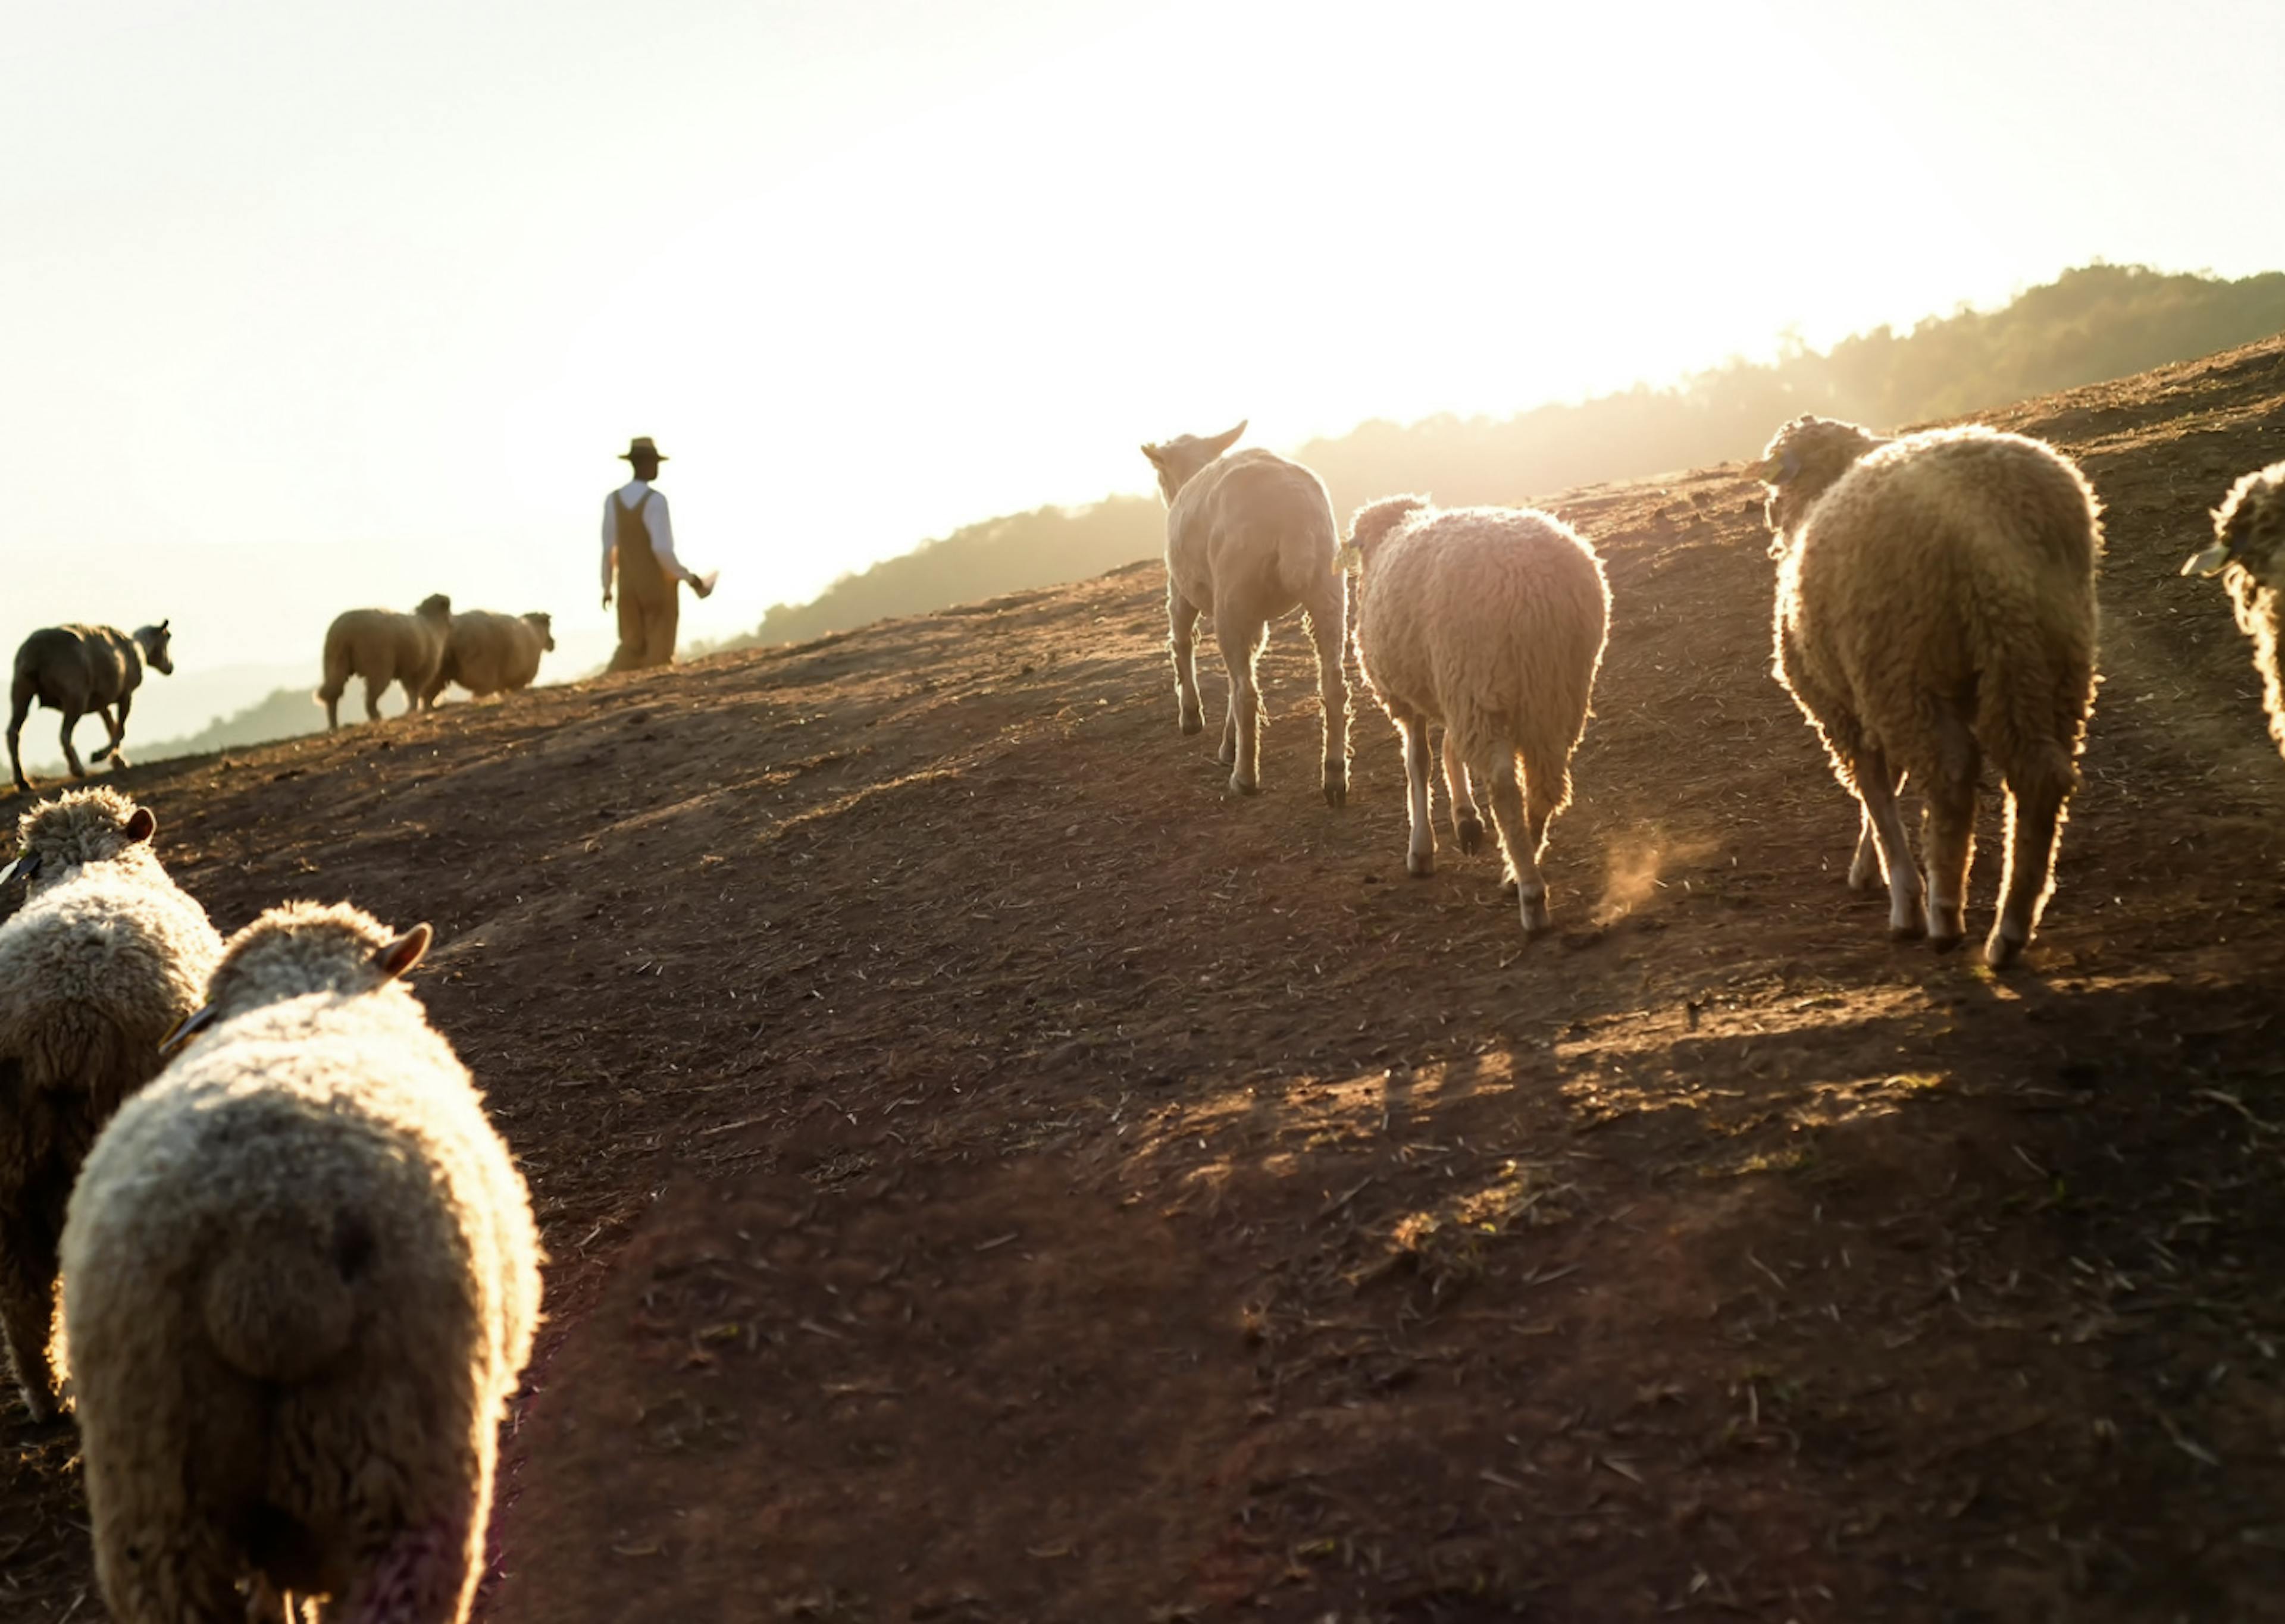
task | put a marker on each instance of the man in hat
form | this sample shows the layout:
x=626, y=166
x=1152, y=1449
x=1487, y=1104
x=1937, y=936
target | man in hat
x=638, y=549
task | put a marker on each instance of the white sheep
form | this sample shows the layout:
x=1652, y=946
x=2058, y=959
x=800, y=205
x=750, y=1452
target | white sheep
x=490, y=653
x=1249, y=537
x=1490, y=623
x=301, y=1279
x=2249, y=550
x=1935, y=605
x=104, y=956
x=381, y=646
x=76, y=670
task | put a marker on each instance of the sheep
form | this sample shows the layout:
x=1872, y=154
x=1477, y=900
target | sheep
x=301, y=1282
x=1248, y=537
x=489, y=653
x=77, y=669
x=1488, y=622
x=104, y=956
x=1935, y=605
x=383, y=647
x=2249, y=554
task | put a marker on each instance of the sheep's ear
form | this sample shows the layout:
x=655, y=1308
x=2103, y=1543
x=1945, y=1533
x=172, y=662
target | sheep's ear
x=1765, y=470
x=164, y=625
x=1152, y=452
x=392, y=958
x=141, y=825
x=1222, y=442
x=2207, y=562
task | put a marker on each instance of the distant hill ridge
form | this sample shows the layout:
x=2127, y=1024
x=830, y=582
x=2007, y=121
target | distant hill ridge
x=2095, y=323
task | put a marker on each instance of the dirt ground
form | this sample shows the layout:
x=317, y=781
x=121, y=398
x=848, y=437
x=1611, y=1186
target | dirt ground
x=992, y=1174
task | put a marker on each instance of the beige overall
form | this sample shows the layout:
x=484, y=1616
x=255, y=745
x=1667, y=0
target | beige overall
x=648, y=607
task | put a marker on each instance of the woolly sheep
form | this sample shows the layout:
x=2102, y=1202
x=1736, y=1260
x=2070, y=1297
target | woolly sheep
x=300, y=1280
x=488, y=653
x=1488, y=622
x=1935, y=605
x=2248, y=553
x=104, y=956
x=382, y=646
x=77, y=669
x=1248, y=537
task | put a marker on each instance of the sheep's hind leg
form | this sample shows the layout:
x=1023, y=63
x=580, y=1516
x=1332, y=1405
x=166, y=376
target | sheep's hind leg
x=2035, y=814
x=372, y=692
x=27, y=1317
x=1420, y=853
x=1865, y=868
x=163, y=1572
x=110, y=734
x=18, y=711
x=71, y=755
x=1504, y=795
x=1950, y=841
x=1876, y=789
x=1182, y=640
x=424, y=1575
x=1467, y=822
x=1327, y=618
x=1241, y=738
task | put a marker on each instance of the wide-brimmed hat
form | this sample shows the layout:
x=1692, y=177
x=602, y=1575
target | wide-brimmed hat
x=641, y=446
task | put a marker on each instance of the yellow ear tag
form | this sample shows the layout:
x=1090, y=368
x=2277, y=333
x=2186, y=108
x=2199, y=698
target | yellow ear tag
x=1349, y=558
x=2207, y=562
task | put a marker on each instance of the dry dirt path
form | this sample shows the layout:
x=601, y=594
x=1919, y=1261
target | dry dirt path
x=991, y=1175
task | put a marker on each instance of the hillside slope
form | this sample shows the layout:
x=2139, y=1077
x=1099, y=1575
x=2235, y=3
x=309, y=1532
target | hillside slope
x=991, y=1174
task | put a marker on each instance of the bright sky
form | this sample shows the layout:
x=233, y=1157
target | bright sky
x=308, y=306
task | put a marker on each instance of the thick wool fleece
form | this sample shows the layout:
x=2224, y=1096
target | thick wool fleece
x=1936, y=606
x=1958, y=562
x=104, y=956
x=490, y=653
x=1490, y=622
x=301, y=1282
x=2250, y=523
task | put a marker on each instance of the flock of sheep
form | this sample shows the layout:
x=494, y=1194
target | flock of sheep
x=1936, y=607
x=299, y=1273
x=87, y=670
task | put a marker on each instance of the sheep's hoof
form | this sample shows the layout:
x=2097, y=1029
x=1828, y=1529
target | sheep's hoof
x=1536, y=916
x=2001, y=950
x=1469, y=833
x=1909, y=930
x=1946, y=927
x=118, y=760
x=1238, y=785
x=1420, y=865
x=1193, y=725
x=1336, y=792
x=1865, y=883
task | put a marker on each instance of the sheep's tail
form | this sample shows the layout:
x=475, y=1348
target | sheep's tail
x=281, y=1298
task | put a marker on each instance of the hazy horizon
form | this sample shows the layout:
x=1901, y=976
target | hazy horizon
x=326, y=309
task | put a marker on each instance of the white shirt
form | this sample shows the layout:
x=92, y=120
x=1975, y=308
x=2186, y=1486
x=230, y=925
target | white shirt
x=654, y=520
